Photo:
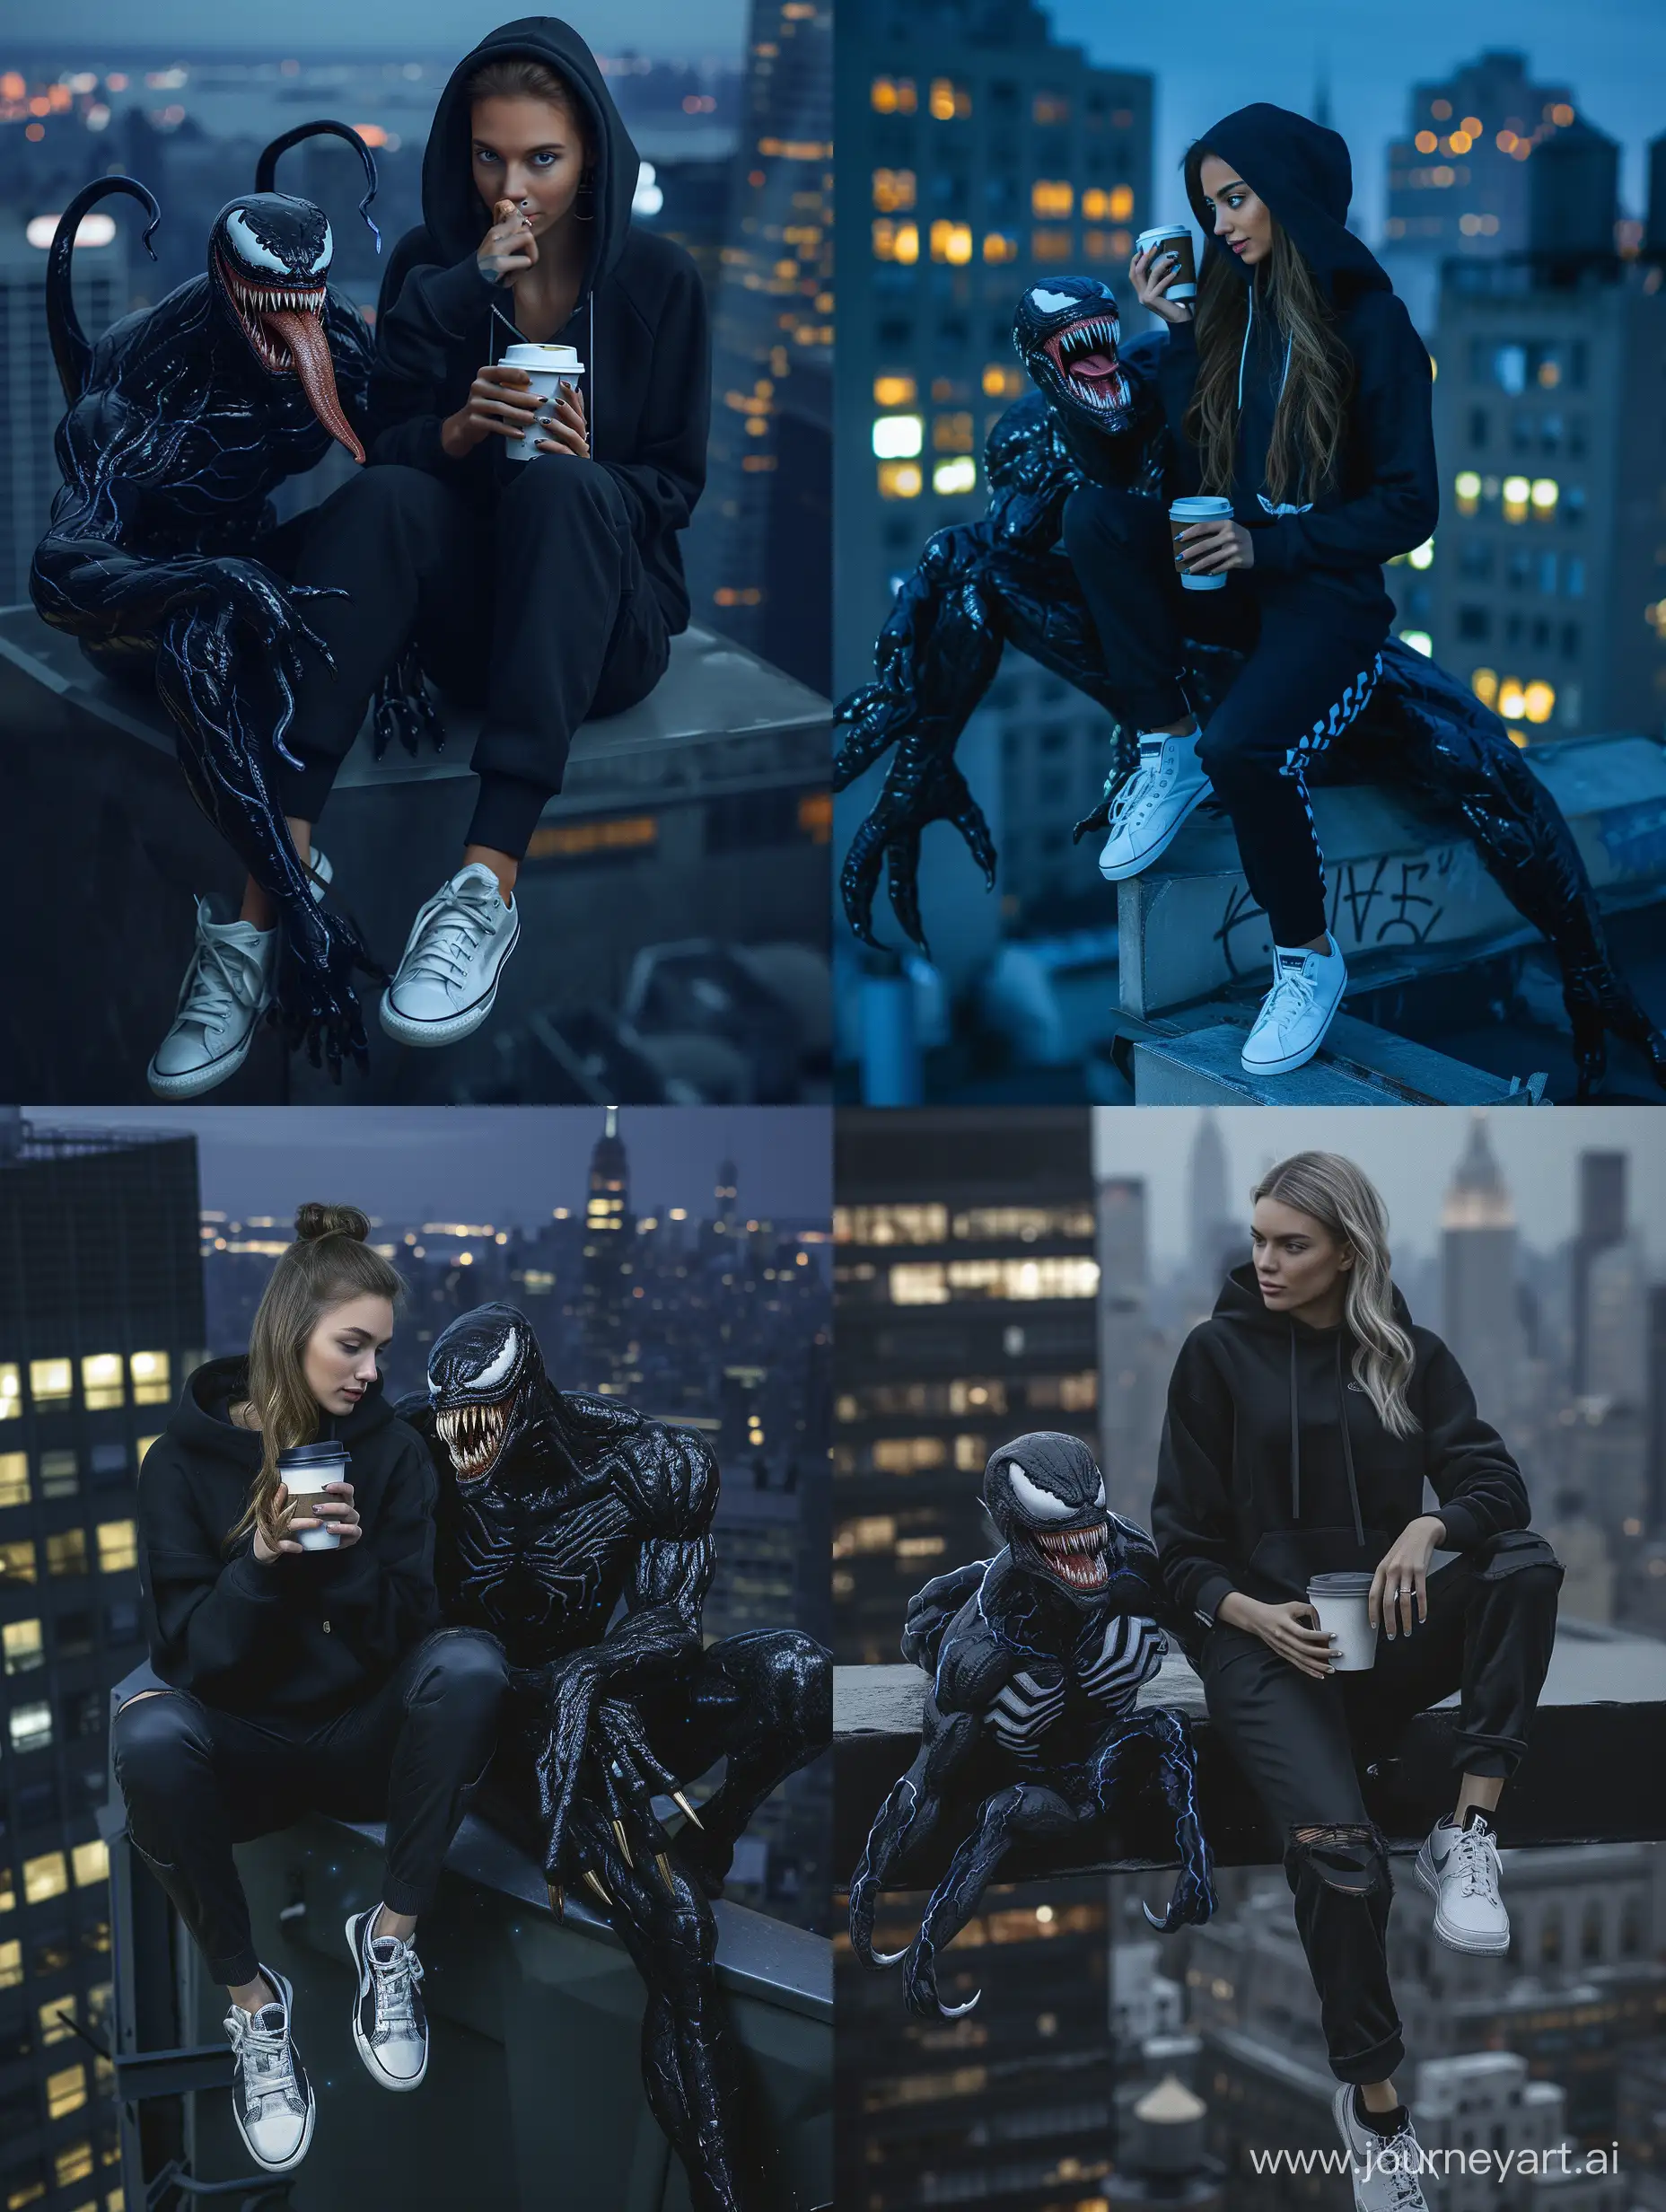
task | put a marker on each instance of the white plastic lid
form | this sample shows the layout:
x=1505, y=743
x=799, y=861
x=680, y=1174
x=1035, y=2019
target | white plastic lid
x=543, y=357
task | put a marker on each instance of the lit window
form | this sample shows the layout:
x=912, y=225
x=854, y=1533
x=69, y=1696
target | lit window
x=898, y=437
x=58, y=1474
x=24, y=1649
x=13, y=1479
x=11, y=1965
x=1422, y=555
x=1419, y=641
x=890, y=1224
x=1539, y=700
x=896, y=242
x=118, y=1548
x=958, y=474
x=31, y=1729
x=10, y=1391
x=1000, y=246
x=952, y=241
x=1512, y=698
x=1516, y=491
x=1545, y=494
x=893, y=391
x=66, y=1552
x=871, y=1532
x=1115, y=206
x=893, y=96
x=1425, y=142
x=50, y=1382
x=91, y=1862
x=17, y=1562
x=151, y=1371
x=1002, y=380
x=1051, y=195
x=46, y=1877
x=66, y=2091
x=909, y=1455
x=100, y=1380
x=921, y=1547
x=8, y=1891
x=893, y=190
x=949, y=100
x=1049, y=245
x=1466, y=484
x=1561, y=115
x=1484, y=684
x=900, y=479
x=952, y=434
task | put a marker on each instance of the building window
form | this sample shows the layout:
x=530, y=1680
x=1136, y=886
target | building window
x=152, y=1384
x=953, y=432
x=949, y=101
x=936, y=1282
x=118, y=1548
x=893, y=96
x=952, y=476
x=58, y=1474
x=44, y=1877
x=8, y=1892
x=895, y=392
x=890, y=1224
x=24, y=1648
x=100, y=1380
x=17, y=1562
x=13, y=1479
x=1049, y=245
x=11, y=1965
x=908, y=1455
x=1000, y=246
x=66, y=1552
x=1117, y=206
x=1049, y=109
x=31, y=1727
x=1477, y=429
x=91, y=1862
x=952, y=243
x=50, y=1382
x=10, y=1391
x=66, y=2091
x=1474, y=622
x=1051, y=195
x=893, y=190
x=899, y=479
x=75, y=2164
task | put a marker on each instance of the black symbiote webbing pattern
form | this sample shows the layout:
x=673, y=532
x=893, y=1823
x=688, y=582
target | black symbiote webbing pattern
x=1031, y=1722
x=1006, y=580
x=183, y=418
x=579, y=1532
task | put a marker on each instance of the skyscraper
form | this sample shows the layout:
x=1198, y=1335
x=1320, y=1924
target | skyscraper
x=1478, y=1268
x=1214, y=1227
x=100, y=1318
x=609, y=1236
x=1601, y=1224
x=1128, y=1395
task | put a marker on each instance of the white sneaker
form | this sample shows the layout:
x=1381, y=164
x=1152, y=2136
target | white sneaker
x=1146, y=813
x=272, y=2099
x=452, y=959
x=389, y=2022
x=1459, y=1867
x=227, y=989
x=1307, y=990
x=1386, y=2170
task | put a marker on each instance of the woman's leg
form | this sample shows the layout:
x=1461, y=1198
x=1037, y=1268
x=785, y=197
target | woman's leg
x=1290, y=1735
x=1120, y=545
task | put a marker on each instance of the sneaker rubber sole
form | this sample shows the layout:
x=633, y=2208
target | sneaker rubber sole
x=372, y=2066
x=1455, y=1939
x=1123, y=871
x=455, y=1026
x=1291, y=1061
x=284, y=2165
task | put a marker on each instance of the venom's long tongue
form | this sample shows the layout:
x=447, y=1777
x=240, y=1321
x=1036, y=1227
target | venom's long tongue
x=1093, y=365
x=303, y=333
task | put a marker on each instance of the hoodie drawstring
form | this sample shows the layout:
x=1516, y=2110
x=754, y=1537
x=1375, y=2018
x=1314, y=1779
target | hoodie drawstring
x=1347, y=1442
x=1243, y=351
x=1347, y=1445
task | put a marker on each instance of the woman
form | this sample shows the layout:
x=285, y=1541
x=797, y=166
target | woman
x=301, y=1679
x=544, y=591
x=1301, y=393
x=1304, y=1419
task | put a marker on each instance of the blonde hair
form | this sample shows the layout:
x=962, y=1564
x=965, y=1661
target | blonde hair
x=328, y=1265
x=1344, y=1201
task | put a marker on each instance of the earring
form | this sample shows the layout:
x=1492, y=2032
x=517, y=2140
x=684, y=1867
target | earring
x=584, y=198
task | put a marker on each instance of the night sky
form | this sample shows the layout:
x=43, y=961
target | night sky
x=1208, y=61
x=502, y=1165
x=669, y=29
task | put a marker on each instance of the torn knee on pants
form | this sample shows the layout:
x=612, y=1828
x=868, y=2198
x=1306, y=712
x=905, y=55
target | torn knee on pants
x=1345, y=1856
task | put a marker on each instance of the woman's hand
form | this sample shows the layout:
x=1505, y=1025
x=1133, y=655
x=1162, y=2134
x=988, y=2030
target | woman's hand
x=280, y=1531
x=1152, y=273
x=1210, y=549
x=500, y=401
x=568, y=432
x=508, y=250
x=1291, y=1631
x=1402, y=1579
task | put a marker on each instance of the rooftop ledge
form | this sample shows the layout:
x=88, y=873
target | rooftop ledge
x=1593, y=1773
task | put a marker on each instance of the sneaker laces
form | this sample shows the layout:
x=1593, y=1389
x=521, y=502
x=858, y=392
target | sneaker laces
x=1397, y=2159
x=1476, y=1862
x=1291, y=996
x=395, y=1977
x=1141, y=787
x=453, y=933
x=216, y=983
x=268, y=2059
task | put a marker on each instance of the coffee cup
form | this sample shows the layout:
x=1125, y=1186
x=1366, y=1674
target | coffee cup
x=1173, y=238
x=1182, y=514
x=547, y=369
x=1341, y=1602
x=307, y=1469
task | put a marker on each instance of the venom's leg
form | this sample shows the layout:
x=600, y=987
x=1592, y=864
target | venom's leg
x=762, y=1702
x=1024, y=1809
x=1168, y=1734
x=691, y=2065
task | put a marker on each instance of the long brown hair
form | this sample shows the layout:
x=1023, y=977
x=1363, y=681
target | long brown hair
x=1311, y=413
x=1342, y=1197
x=328, y=1264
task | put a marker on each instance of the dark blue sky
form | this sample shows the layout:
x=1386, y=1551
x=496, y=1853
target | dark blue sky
x=497, y=1164
x=671, y=29
x=1208, y=61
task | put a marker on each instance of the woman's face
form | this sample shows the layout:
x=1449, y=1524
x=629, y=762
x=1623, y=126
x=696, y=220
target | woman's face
x=528, y=151
x=1243, y=222
x=340, y=1357
x=1299, y=1267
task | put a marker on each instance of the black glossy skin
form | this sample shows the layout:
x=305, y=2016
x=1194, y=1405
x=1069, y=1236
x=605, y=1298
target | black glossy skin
x=581, y=1536
x=177, y=434
x=995, y=1629
x=1006, y=580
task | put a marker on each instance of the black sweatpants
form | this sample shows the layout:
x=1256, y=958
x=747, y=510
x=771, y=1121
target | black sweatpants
x=1491, y=1625
x=197, y=1779
x=538, y=611
x=1313, y=661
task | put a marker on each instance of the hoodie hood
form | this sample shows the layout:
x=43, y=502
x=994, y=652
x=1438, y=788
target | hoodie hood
x=1241, y=1300
x=451, y=208
x=201, y=1422
x=1303, y=173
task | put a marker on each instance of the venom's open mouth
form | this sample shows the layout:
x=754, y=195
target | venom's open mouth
x=474, y=1436
x=255, y=302
x=1085, y=354
x=1075, y=1556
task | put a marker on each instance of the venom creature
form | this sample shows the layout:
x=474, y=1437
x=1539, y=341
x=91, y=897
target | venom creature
x=1006, y=580
x=162, y=555
x=579, y=1532
x=1036, y=1657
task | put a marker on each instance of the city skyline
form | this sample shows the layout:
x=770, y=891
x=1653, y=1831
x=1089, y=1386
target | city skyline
x=513, y=1163
x=660, y=26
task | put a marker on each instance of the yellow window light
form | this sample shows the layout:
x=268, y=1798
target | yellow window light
x=894, y=391
x=1539, y=700
x=900, y=479
x=10, y=1391
x=1422, y=555
x=1460, y=142
x=1425, y=142
x=100, y=1380
x=896, y=242
x=1467, y=486
x=1484, y=684
x=1003, y=380
x=50, y=1381
x=1516, y=491
x=949, y=100
x=898, y=437
x=1051, y=195
x=952, y=241
x=892, y=96
x=1419, y=641
x=1545, y=494
x=152, y=1384
x=952, y=434
x=958, y=474
x=1000, y=246
x=1512, y=698
x=893, y=188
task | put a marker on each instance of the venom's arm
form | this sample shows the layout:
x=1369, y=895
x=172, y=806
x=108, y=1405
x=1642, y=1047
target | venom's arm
x=910, y=1814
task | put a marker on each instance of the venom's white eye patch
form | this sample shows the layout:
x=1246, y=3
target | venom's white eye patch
x=250, y=251
x=1050, y=303
x=1100, y=1498
x=501, y=1369
x=1039, y=1503
x=321, y=259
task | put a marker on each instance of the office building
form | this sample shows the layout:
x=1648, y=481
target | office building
x=100, y=1316
x=1130, y=1397
x=1601, y=1226
x=609, y=1270
x=1479, y=1315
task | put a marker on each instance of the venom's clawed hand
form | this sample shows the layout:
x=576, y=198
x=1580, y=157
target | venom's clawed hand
x=317, y=1005
x=405, y=709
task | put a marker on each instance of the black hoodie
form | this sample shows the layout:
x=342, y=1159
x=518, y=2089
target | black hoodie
x=1274, y=1465
x=640, y=324
x=1385, y=497
x=303, y=1637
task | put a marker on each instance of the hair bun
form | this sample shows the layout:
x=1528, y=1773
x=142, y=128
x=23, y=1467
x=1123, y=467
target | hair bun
x=314, y=1220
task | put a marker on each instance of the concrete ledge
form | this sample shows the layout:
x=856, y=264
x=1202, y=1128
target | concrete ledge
x=1593, y=1774
x=1196, y=1058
